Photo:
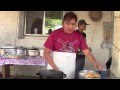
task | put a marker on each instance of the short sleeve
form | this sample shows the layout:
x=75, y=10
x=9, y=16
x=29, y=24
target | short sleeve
x=49, y=42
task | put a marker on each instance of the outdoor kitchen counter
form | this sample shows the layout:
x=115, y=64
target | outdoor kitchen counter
x=39, y=61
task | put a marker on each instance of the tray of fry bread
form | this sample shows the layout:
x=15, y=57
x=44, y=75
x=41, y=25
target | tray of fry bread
x=89, y=74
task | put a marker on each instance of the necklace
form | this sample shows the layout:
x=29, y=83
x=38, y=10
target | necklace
x=68, y=44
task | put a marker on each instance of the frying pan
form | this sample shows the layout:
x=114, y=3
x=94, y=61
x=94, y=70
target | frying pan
x=51, y=74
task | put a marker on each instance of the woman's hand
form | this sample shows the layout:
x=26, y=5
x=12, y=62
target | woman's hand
x=91, y=58
x=98, y=66
x=48, y=58
x=55, y=68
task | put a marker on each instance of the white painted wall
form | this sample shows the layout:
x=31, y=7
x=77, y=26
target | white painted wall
x=115, y=67
x=9, y=26
x=94, y=33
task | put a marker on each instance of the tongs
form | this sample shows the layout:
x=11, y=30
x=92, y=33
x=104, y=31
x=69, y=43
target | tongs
x=99, y=71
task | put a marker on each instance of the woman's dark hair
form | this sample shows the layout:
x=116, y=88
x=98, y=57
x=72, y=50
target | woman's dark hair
x=70, y=15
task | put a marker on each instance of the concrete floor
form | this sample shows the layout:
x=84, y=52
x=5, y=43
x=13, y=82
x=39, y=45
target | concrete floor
x=112, y=76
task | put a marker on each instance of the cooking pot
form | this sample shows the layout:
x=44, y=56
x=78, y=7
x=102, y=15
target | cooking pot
x=21, y=51
x=33, y=52
x=51, y=74
x=8, y=49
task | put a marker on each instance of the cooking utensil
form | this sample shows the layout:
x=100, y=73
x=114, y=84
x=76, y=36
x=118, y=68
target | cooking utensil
x=99, y=71
x=33, y=52
x=21, y=51
x=9, y=49
x=51, y=74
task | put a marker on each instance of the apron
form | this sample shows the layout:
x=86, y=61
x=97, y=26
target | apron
x=65, y=62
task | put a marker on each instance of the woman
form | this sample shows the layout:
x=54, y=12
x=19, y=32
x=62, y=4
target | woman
x=66, y=39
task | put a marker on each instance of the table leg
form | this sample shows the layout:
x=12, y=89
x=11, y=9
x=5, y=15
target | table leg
x=6, y=71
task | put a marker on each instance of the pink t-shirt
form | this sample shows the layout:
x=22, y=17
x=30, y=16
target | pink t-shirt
x=63, y=42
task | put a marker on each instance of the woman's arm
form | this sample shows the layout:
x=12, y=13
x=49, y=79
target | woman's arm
x=91, y=58
x=47, y=55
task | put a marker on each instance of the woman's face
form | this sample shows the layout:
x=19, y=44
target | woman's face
x=69, y=26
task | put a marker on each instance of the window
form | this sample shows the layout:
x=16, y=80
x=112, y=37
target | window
x=34, y=22
x=42, y=22
x=53, y=20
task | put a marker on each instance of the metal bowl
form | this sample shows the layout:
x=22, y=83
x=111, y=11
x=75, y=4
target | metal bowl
x=82, y=74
